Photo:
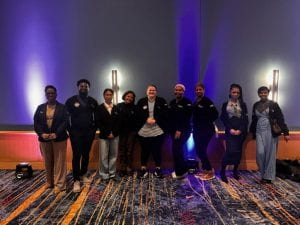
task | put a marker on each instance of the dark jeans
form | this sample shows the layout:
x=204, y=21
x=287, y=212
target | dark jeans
x=81, y=142
x=201, y=142
x=180, y=165
x=151, y=145
x=126, y=147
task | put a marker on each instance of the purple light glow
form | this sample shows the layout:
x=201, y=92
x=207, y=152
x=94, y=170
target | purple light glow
x=188, y=43
x=188, y=50
x=33, y=60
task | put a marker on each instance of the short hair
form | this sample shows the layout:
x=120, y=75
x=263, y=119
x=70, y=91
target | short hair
x=50, y=87
x=152, y=85
x=199, y=84
x=128, y=92
x=108, y=89
x=263, y=88
x=83, y=81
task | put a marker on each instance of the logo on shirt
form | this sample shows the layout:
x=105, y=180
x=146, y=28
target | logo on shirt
x=76, y=104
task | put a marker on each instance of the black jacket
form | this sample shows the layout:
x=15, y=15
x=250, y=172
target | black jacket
x=242, y=122
x=59, y=123
x=275, y=113
x=82, y=118
x=107, y=123
x=204, y=115
x=160, y=113
x=180, y=114
x=127, y=117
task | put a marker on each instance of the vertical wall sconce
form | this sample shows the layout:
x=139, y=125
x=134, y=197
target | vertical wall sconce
x=115, y=86
x=274, y=85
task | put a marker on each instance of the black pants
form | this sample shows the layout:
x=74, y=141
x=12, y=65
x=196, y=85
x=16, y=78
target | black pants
x=81, y=142
x=201, y=142
x=151, y=145
x=180, y=165
x=126, y=146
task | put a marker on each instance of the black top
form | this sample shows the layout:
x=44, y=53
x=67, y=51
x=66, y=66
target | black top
x=127, y=117
x=237, y=123
x=107, y=123
x=59, y=123
x=275, y=113
x=82, y=112
x=180, y=114
x=159, y=114
x=204, y=115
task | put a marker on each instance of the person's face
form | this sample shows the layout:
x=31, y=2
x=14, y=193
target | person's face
x=108, y=96
x=51, y=94
x=235, y=93
x=199, y=91
x=83, y=88
x=129, y=98
x=263, y=95
x=178, y=92
x=151, y=92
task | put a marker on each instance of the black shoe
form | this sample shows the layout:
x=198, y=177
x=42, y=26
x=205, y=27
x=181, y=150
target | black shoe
x=266, y=181
x=143, y=174
x=122, y=173
x=223, y=177
x=158, y=173
x=236, y=175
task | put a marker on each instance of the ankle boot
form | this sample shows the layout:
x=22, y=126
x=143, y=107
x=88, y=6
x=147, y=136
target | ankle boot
x=235, y=172
x=223, y=176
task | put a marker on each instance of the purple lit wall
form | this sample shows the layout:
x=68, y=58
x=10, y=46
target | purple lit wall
x=160, y=42
x=243, y=41
x=188, y=43
x=54, y=42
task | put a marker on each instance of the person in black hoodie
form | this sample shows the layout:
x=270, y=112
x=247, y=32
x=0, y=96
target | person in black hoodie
x=82, y=131
x=50, y=124
x=108, y=123
x=235, y=119
x=152, y=126
x=180, y=128
x=204, y=115
x=265, y=114
x=127, y=117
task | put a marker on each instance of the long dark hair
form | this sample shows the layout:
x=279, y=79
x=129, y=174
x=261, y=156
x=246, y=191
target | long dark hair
x=240, y=89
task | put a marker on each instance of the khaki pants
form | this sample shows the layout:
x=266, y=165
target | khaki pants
x=54, y=154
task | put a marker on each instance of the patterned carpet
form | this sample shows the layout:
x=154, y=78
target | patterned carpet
x=129, y=200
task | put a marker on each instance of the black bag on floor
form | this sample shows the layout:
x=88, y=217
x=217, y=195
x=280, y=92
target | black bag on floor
x=23, y=170
x=288, y=169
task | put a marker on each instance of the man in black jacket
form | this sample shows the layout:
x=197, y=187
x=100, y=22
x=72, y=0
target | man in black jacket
x=180, y=128
x=82, y=130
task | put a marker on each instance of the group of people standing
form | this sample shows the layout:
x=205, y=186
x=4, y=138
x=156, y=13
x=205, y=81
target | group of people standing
x=148, y=122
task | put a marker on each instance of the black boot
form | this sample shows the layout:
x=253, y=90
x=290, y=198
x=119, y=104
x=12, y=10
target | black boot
x=236, y=173
x=223, y=174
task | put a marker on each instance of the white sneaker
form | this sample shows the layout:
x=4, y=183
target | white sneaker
x=86, y=180
x=76, y=186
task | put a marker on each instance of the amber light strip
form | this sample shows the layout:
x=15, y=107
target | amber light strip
x=24, y=205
